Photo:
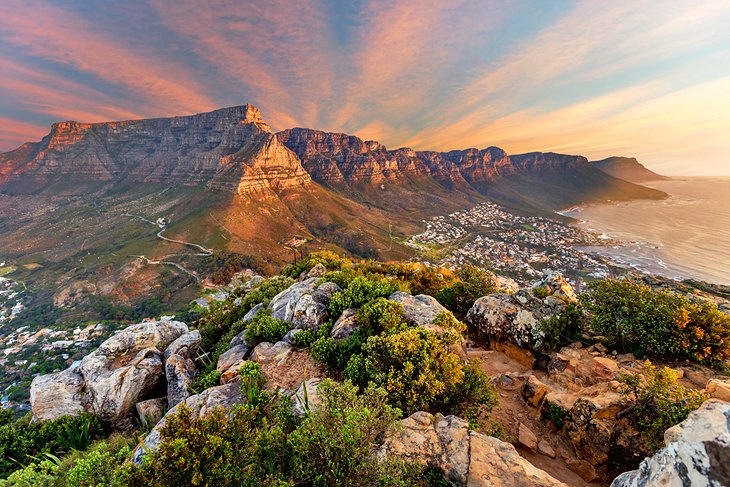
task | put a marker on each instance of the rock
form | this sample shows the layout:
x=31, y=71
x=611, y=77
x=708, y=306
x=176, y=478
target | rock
x=696, y=377
x=420, y=310
x=465, y=457
x=302, y=405
x=56, y=395
x=289, y=337
x=534, y=391
x=345, y=325
x=718, y=389
x=253, y=312
x=526, y=438
x=239, y=339
x=124, y=370
x=557, y=286
x=114, y=390
x=605, y=368
x=232, y=356
x=266, y=352
x=150, y=411
x=318, y=270
x=697, y=453
x=506, y=284
x=185, y=345
x=200, y=405
x=544, y=448
x=582, y=468
x=512, y=317
x=179, y=372
x=303, y=304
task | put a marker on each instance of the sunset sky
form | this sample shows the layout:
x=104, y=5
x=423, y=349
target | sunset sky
x=649, y=79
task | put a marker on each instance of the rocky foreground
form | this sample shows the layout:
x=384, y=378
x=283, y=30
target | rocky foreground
x=145, y=371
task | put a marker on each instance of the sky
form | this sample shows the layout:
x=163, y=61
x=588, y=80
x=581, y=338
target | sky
x=648, y=79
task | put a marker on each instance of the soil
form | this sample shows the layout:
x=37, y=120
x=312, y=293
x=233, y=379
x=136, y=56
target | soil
x=512, y=410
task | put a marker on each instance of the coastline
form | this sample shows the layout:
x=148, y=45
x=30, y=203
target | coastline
x=681, y=238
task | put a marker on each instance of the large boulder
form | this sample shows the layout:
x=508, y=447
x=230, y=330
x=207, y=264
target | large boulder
x=185, y=345
x=126, y=369
x=556, y=285
x=345, y=325
x=697, y=452
x=179, y=373
x=513, y=318
x=420, y=310
x=266, y=352
x=304, y=304
x=200, y=405
x=467, y=458
x=56, y=395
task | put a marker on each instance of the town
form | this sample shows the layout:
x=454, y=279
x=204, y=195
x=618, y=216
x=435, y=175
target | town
x=521, y=247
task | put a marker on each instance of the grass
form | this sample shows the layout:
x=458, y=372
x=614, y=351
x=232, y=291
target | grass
x=4, y=271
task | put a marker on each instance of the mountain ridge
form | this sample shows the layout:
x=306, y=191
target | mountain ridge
x=627, y=168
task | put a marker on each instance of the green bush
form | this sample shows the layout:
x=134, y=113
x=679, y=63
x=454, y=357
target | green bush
x=566, y=328
x=359, y=291
x=222, y=321
x=473, y=396
x=334, y=445
x=264, y=328
x=472, y=283
x=205, y=380
x=380, y=314
x=659, y=403
x=635, y=318
x=37, y=474
x=24, y=442
x=414, y=366
x=330, y=260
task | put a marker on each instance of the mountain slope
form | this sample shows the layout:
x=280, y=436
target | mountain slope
x=627, y=168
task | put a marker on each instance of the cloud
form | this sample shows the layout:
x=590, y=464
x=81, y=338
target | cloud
x=52, y=33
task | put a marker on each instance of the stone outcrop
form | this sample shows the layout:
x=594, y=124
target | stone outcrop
x=306, y=402
x=420, y=310
x=200, y=405
x=697, y=452
x=513, y=318
x=304, y=304
x=109, y=382
x=345, y=325
x=467, y=458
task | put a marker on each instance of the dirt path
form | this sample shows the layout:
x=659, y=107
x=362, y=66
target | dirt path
x=510, y=375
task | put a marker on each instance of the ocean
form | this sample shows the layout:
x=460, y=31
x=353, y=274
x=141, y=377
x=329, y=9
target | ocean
x=685, y=236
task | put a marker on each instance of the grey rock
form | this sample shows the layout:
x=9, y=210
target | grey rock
x=179, y=372
x=56, y=395
x=697, y=452
x=232, y=356
x=289, y=337
x=267, y=352
x=151, y=410
x=345, y=325
x=420, y=310
x=282, y=305
x=306, y=403
x=185, y=345
x=253, y=312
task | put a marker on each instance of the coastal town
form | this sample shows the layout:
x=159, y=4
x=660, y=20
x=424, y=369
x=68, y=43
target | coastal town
x=521, y=247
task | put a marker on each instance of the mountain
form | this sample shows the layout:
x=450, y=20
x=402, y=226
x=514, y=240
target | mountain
x=78, y=208
x=535, y=182
x=230, y=149
x=627, y=168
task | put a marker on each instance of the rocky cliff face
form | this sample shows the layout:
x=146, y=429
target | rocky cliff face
x=231, y=149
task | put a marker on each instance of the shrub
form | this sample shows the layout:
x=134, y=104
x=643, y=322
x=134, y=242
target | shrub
x=252, y=385
x=659, y=403
x=566, y=328
x=359, y=291
x=381, y=314
x=41, y=473
x=472, y=283
x=23, y=442
x=335, y=444
x=216, y=324
x=329, y=259
x=414, y=366
x=264, y=328
x=205, y=380
x=638, y=319
x=541, y=292
x=97, y=466
x=473, y=396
